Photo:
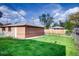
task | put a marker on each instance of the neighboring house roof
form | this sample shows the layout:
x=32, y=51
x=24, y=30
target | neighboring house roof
x=57, y=27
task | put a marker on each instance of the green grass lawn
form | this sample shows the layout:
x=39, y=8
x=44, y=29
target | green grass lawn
x=47, y=45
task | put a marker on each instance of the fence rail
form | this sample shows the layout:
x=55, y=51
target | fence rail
x=52, y=31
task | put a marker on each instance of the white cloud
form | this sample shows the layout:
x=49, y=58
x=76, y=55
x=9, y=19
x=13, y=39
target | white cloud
x=56, y=11
x=57, y=14
x=11, y=15
x=63, y=15
x=3, y=8
x=37, y=22
x=51, y=8
x=72, y=11
x=22, y=12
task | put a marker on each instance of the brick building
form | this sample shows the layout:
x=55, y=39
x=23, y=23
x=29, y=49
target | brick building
x=21, y=30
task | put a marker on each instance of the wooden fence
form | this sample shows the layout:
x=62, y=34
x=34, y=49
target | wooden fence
x=53, y=31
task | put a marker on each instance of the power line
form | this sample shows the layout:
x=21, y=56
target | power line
x=17, y=11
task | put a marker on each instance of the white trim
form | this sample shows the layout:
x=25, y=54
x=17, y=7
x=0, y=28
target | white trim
x=15, y=31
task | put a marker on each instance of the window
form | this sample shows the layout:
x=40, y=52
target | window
x=58, y=28
x=9, y=28
x=3, y=29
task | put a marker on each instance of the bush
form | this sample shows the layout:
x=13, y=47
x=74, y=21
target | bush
x=68, y=32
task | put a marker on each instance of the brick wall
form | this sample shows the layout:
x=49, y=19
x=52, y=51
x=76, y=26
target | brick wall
x=0, y=29
x=10, y=33
x=34, y=31
x=7, y=32
x=24, y=31
x=20, y=32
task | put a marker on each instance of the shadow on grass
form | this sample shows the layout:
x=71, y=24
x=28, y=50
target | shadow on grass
x=30, y=48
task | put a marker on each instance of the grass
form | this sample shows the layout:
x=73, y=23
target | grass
x=47, y=45
x=66, y=41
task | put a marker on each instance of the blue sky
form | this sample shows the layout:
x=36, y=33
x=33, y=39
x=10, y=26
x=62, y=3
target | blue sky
x=34, y=10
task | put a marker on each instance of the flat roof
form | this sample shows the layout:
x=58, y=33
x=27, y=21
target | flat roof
x=19, y=24
x=57, y=27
